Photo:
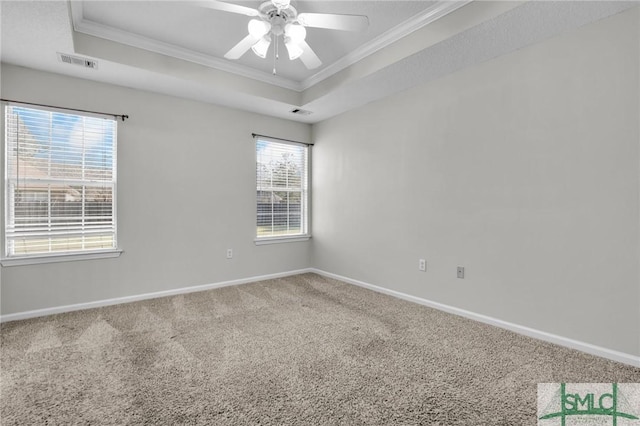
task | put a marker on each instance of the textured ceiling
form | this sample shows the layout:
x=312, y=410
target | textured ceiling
x=174, y=48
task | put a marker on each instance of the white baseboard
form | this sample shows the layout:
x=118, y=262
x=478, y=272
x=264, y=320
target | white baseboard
x=145, y=296
x=536, y=334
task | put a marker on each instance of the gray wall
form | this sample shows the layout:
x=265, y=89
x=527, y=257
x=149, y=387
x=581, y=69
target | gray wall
x=524, y=169
x=186, y=193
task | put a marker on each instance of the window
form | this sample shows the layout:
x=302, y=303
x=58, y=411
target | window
x=60, y=183
x=282, y=189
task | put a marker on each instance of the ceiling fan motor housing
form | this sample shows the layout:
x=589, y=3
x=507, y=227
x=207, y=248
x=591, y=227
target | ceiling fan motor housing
x=278, y=18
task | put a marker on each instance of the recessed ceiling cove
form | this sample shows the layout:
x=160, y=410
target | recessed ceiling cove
x=198, y=32
x=178, y=48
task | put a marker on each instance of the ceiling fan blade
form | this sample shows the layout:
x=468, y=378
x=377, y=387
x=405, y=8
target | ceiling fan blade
x=241, y=48
x=309, y=57
x=334, y=22
x=228, y=7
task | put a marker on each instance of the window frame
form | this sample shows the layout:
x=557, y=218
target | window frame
x=306, y=195
x=8, y=259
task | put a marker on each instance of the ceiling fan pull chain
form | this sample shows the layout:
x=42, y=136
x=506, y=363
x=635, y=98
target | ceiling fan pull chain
x=275, y=55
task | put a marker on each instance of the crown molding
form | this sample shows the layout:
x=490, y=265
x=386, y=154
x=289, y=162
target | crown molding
x=437, y=11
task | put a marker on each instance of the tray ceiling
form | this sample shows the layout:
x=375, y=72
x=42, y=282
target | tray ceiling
x=190, y=31
x=177, y=48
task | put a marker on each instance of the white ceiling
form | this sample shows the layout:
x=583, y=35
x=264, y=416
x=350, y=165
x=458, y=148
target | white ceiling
x=202, y=31
x=177, y=48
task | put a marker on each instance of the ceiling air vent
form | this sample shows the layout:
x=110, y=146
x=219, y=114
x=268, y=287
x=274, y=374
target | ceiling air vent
x=300, y=111
x=77, y=60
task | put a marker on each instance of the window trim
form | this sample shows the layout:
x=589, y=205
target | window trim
x=35, y=259
x=7, y=260
x=279, y=239
x=284, y=239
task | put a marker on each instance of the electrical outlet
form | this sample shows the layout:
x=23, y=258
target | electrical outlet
x=460, y=271
x=422, y=265
x=229, y=253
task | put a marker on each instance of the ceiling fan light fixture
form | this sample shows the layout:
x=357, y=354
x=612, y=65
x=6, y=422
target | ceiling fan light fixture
x=278, y=18
x=258, y=28
x=262, y=46
x=295, y=32
x=295, y=51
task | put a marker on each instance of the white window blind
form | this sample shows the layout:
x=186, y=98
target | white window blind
x=282, y=188
x=60, y=186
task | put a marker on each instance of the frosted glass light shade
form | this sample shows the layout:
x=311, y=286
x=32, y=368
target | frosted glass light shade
x=295, y=32
x=258, y=28
x=262, y=46
x=293, y=48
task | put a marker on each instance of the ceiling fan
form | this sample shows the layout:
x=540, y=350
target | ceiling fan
x=275, y=18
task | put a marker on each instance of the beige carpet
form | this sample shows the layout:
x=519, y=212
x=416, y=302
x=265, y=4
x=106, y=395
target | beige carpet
x=303, y=350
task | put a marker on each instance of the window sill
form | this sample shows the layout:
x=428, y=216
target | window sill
x=58, y=257
x=278, y=240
